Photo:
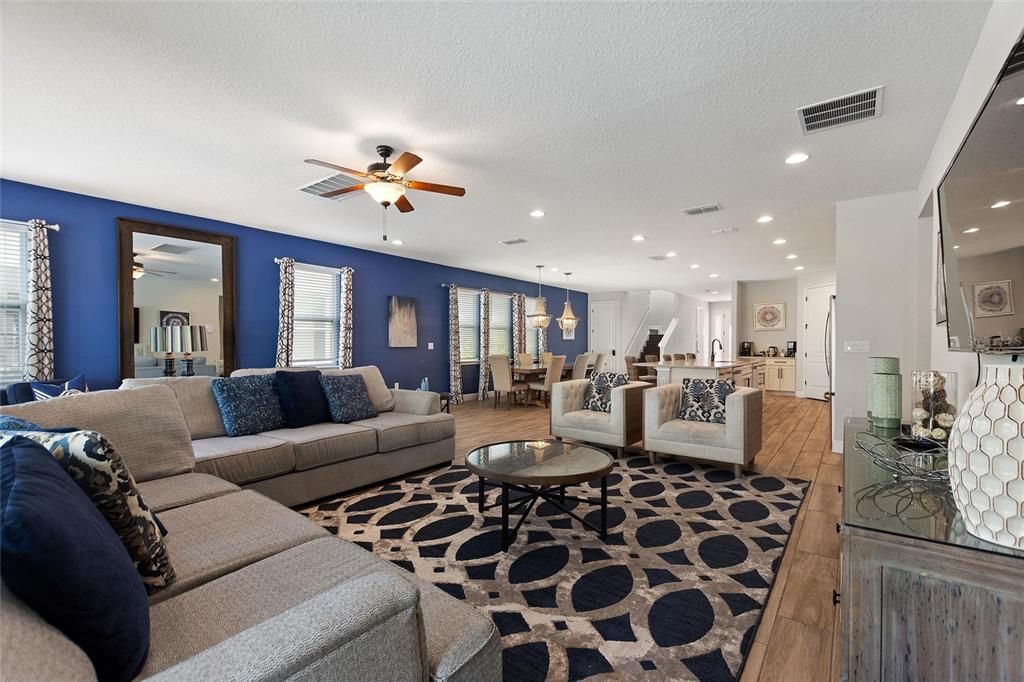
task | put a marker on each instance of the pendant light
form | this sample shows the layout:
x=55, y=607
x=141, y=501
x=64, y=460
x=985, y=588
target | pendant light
x=540, y=318
x=568, y=320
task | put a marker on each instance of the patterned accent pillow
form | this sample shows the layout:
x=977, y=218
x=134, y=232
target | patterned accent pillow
x=599, y=391
x=703, y=400
x=45, y=390
x=347, y=397
x=248, y=404
x=9, y=423
x=93, y=463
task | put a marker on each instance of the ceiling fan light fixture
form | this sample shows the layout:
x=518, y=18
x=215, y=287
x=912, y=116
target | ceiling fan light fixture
x=568, y=320
x=384, y=192
x=138, y=269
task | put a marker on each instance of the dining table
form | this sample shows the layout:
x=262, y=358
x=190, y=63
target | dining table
x=536, y=372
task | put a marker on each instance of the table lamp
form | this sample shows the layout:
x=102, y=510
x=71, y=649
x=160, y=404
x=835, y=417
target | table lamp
x=178, y=339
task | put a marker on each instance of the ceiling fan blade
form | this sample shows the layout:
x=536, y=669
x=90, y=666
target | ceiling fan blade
x=346, y=171
x=403, y=204
x=432, y=187
x=343, y=190
x=404, y=163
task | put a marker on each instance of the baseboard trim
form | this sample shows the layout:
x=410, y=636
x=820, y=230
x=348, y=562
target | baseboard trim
x=837, y=446
x=801, y=394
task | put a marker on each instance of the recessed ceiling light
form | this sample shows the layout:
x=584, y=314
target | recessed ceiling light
x=971, y=230
x=214, y=279
x=1000, y=204
x=671, y=254
x=1020, y=102
x=536, y=213
x=956, y=247
x=714, y=292
x=554, y=269
x=397, y=242
x=791, y=256
x=638, y=237
x=780, y=241
x=765, y=219
x=798, y=157
x=799, y=267
x=694, y=266
x=713, y=274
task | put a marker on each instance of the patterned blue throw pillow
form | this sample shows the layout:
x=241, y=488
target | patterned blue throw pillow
x=45, y=390
x=9, y=423
x=347, y=397
x=599, y=391
x=703, y=400
x=249, y=404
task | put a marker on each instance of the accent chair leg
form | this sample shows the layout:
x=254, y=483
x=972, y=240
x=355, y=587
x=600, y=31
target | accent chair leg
x=737, y=470
x=620, y=452
x=653, y=456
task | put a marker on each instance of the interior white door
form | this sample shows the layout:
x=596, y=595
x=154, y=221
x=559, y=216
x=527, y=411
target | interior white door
x=604, y=333
x=817, y=304
x=701, y=327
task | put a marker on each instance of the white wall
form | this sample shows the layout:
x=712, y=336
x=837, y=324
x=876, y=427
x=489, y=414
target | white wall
x=199, y=298
x=663, y=308
x=882, y=294
x=683, y=340
x=766, y=291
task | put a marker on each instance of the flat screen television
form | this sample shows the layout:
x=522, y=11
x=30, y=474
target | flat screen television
x=981, y=217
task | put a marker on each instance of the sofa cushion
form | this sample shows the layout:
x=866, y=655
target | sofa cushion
x=381, y=396
x=144, y=424
x=347, y=398
x=695, y=433
x=214, y=537
x=248, y=405
x=599, y=391
x=703, y=400
x=77, y=574
x=321, y=444
x=397, y=430
x=34, y=649
x=244, y=459
x=302, y=398
x=95, y=467
x=177, y=491
x=47, y=390
x=195, y=397
x=460, y=639
x=589, y=420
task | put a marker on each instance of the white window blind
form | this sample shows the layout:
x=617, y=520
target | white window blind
x=315, y=342
x=13, y=296
x=501, y=324
x=469, y=324
x=531, y=332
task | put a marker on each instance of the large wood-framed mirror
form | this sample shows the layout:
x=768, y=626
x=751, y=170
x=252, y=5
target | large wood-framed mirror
x=176, y=291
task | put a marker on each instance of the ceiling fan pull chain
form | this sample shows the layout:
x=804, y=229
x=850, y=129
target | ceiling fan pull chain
x=384, y=222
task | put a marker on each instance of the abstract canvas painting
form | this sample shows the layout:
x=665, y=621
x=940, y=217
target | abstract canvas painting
x=172, y=318
x=769, y=317
x=993, y=298
x=401, y=322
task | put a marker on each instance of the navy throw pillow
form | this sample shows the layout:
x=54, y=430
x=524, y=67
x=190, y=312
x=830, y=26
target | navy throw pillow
x=61, y=557
x=9, y=423
x=302, y=398
x=45, y=390
x=347, y=397
x=248, y=404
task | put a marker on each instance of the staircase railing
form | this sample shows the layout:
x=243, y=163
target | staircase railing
x=631, y=348
x=669, y=330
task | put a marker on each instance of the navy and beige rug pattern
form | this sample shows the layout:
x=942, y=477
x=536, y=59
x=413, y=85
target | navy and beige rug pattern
x=675, y=592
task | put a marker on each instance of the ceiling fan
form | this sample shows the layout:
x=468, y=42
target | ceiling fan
x=139, y=269
x=386, y=182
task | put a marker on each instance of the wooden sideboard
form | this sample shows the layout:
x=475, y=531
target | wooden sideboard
x=920, y=598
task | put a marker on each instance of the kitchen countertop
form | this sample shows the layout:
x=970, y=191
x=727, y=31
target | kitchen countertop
x=722, y=364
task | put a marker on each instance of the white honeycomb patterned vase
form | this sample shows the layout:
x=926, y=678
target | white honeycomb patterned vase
x=986, y=457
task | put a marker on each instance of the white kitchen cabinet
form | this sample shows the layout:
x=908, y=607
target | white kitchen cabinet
x=780, y=374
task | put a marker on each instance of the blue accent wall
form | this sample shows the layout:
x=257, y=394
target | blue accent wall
x=83, y=258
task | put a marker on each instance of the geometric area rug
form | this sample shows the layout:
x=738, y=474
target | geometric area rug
x=674, y=593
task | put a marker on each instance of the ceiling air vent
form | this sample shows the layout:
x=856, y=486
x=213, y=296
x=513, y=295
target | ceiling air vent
x=512, y=242
x=725, y=230
x=858, y=106
x=657, y=257
x=337, y=181
x=174, y=249
x=697, y=210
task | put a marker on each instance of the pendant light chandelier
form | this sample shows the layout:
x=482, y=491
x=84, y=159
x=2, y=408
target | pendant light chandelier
x=540, y=318
x=568, y=320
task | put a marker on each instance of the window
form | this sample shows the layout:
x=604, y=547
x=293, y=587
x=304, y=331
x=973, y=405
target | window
x=317, y=329
x=501, y=324
x=13, y=298
x=469, y=324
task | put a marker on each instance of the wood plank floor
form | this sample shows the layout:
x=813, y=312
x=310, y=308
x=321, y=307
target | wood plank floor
x=797, y=636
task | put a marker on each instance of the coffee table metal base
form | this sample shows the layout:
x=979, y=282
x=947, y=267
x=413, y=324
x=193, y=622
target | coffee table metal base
x=552, y=494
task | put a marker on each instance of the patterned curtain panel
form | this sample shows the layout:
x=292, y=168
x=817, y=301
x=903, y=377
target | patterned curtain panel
x=542, y=337
x=485, y=343
x=454, y=347
x=345, y=343
x=286, y=312
x=518, y=324
x=39, y=311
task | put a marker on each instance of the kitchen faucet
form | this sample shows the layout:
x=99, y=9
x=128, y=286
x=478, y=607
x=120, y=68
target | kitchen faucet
x=713, y=349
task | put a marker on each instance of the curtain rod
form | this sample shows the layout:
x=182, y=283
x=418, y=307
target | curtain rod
x=28, y=223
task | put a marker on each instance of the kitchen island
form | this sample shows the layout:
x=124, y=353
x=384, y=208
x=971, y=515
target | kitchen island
x=745, y=371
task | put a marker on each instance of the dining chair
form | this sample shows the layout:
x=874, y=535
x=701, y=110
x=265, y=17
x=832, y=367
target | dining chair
x=652, y=374
x=691, y=357
x=545, y=359
x=599, y=362
x=679, y=356
x=524, y=360
x=553, y=376
x=579, y=366
x=666, y=357
x=632, y=371
x=501, y=373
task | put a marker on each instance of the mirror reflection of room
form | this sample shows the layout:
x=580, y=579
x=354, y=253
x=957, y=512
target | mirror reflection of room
x=179, y=307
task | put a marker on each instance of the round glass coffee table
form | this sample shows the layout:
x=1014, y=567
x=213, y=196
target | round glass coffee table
x=541, y=469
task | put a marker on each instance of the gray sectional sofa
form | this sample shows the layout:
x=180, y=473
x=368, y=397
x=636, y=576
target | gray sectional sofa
x=261, y=593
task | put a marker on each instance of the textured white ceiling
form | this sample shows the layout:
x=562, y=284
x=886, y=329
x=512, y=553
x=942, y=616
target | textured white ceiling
x=610, y=117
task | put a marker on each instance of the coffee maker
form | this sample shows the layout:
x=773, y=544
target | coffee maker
x=746, y=349
x=791, y=349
